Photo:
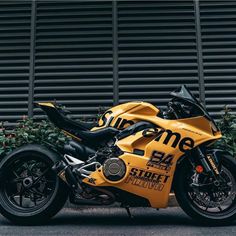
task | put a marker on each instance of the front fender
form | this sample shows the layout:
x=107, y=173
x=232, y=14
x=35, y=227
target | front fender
x=218, y=153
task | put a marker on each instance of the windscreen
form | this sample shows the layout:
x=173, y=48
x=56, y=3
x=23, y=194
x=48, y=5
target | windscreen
x=184, y=94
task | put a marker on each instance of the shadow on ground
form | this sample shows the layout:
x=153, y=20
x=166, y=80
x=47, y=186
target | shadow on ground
x=121, y=220
x=119, y=217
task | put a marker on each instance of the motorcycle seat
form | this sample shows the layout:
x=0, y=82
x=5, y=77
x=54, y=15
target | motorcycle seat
x=97, y=137
x=58, y=117
x=79, y=129
x=82, y=131
x=85, y=125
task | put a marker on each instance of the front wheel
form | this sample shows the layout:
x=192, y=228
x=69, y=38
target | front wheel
x=201, y=198
x=30, y=192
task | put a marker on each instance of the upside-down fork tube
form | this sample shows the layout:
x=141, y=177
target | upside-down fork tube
x=207, y=161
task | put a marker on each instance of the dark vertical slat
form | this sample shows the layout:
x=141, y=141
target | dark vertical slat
x=115, y=53
x=218, y=24
x=199, y=52
x=14, y=59
x=157, y=49
x=74, y=56
x=32, y=59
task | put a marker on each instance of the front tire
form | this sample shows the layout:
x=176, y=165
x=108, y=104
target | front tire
x=205, y=202
x=30, y=192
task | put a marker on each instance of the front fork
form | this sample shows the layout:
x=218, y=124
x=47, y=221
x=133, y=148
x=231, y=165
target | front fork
x=209, y=161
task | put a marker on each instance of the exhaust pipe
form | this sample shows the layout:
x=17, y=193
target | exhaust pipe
x=65, y=173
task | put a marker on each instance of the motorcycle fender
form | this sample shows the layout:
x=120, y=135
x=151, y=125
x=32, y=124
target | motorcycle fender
x=217, y=155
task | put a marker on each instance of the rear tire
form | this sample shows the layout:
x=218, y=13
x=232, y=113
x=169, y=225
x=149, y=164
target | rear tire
x=30, y=192
x=202, y=204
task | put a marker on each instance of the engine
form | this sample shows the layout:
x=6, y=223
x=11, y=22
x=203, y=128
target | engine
x=114, y=169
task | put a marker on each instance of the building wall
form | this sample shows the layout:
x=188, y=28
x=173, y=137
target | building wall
x=91, y=54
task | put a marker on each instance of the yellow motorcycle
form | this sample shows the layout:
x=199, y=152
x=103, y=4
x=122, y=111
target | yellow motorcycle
x=135, y=156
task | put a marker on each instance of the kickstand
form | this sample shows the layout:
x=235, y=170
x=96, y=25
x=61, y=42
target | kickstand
x=129, y=213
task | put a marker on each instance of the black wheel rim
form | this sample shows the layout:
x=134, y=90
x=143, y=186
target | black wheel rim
x=29, y=184
x=210, y=200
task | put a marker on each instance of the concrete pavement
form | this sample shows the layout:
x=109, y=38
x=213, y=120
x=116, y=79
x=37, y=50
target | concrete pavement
x=114, y=221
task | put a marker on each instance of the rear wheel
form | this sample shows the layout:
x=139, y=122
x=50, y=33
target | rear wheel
x=30, y=192
x=204, y=200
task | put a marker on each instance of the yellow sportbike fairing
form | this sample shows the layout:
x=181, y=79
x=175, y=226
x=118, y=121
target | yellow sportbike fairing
x=151, y=155
x=124, y=115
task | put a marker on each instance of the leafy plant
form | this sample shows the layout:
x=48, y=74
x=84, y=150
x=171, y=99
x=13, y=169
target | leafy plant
x=28, y=131
x=227, y=125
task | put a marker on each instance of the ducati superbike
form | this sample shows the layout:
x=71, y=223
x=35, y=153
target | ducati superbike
x=134, y=156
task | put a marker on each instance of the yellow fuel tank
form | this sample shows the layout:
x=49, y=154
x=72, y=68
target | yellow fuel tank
x=123, y=115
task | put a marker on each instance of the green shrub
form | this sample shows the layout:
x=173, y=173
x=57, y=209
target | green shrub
x=227, y=125
x=27, y=131
x=44, y=132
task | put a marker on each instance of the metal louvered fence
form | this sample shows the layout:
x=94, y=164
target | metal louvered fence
x=91, y=54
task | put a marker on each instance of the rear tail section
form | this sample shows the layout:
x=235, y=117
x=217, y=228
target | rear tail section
x=54, y=115
x=57, y=116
